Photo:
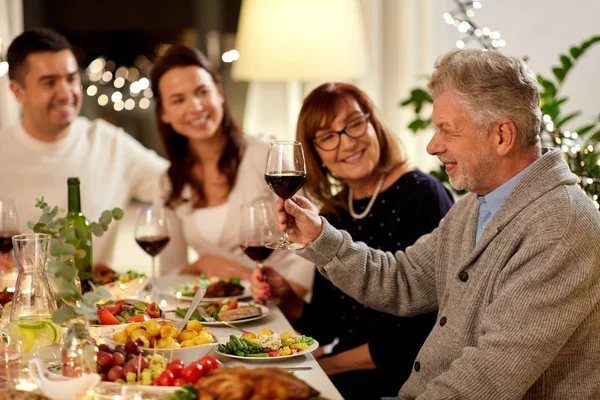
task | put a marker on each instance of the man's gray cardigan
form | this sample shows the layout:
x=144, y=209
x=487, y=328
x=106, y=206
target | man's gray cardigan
x=519, y=313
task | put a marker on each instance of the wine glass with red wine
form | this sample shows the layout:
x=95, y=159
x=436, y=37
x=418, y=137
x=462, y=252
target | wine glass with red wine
x=9, y=226
x=257, y=229
x=152, y=234
x=285, y=173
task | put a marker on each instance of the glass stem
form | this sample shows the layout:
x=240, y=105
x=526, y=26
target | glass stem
x=153, y=271
x=285, y=238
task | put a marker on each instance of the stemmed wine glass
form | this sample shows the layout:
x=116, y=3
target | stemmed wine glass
x=257, y=229
x=285, y=173
x=9, y=226
x=152, y=234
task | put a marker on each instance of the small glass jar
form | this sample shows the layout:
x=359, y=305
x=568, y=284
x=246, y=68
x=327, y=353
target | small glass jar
x=78, y=352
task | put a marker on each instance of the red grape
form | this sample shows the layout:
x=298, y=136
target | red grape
x=103, y=377
x=129, y=356
x=105, y=359
x=106, y=348
x=120, y=348
x=132, y=348
x=119, y=359
x=115, y=373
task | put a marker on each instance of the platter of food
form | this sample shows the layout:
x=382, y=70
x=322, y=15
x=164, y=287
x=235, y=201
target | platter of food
x=184, y=287
x=267, y=345
x=229, y=310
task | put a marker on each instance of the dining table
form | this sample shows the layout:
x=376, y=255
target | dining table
x=304, y=366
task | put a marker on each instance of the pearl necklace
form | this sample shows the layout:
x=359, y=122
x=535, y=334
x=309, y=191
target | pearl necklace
x=369, y=206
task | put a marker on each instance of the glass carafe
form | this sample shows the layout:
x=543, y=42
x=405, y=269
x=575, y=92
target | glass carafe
x=31, y=330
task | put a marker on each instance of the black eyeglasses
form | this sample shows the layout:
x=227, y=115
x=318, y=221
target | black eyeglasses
x=331, y=140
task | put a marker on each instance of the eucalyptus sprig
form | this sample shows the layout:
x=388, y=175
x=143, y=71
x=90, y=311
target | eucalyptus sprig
x=65, y=244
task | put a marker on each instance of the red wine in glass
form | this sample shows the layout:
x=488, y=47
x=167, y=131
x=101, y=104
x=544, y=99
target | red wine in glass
x=256, y=251
x=152, y=244
x=6, y=244
x=285, y=174
x=285, y=184
x=152, y=234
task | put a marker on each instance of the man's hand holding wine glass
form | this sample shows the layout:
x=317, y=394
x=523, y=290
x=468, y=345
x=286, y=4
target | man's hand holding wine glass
x=299, y=218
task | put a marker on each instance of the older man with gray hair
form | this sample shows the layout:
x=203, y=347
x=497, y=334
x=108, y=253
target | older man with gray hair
x=514, y=268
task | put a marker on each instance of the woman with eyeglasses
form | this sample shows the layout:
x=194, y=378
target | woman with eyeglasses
x=357, y=174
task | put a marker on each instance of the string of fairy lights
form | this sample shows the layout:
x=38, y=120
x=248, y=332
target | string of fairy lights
x=571, y=144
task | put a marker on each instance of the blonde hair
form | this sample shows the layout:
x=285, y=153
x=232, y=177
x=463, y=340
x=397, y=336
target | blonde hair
x=492, y=86
x=320, y=108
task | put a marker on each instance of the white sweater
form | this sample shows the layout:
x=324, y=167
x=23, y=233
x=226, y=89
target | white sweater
x=111, y=165
x=249, y=186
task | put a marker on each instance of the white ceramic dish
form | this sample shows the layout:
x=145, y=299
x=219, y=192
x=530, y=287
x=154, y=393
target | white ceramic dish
x=185, y=354
x=265, y=312
x=125, y=290
x=57, y=386
x=311, y=348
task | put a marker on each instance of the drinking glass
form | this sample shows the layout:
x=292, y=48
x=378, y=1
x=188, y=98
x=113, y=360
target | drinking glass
x=285, y=173
x=9, y=226
x=152, y=234
x=257, y=229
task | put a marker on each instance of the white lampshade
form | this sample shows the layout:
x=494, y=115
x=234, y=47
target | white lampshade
x=301, y=40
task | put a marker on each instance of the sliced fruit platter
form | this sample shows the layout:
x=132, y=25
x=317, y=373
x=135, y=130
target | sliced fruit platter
x=124, y=311
x=267, y=345
x=230, y=310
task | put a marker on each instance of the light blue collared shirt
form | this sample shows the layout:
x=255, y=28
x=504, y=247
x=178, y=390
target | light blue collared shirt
x=491, y=202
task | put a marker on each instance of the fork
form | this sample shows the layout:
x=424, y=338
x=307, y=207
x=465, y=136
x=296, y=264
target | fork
x=208, y=318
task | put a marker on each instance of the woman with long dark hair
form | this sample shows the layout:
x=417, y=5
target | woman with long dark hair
x=215, y=169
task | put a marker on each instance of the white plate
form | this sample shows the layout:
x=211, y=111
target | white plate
x=265, y=312
x=167, y=284
x=311, y=348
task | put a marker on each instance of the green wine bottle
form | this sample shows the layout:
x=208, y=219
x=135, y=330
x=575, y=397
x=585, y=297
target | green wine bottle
x=83, y=255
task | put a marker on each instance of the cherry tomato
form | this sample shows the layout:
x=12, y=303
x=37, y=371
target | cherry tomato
x=213, y=359
x=175, y=368
x=180, y=382
x=106, y=318
x=138, y=318
x=233, y=304
x=178, y=362
x=153, y=310
x=207, y=365
x=166, y=378
x=273, y=353
x=192, y=372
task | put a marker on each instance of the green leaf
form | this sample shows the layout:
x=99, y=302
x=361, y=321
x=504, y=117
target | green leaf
x=566, y=62
x=45, y=219
x=106, y=216
x=47, y=210
x=67, y=272
x=595, y=137
x=55, y=248
x=567, y=119
x=53, y=267
x=81, y=234
x=117, y=213
x=96, y=229
x=104, y=226
x=575, y=52
x=64, y=313
x=585, y=129
x=102, y=292
x=54, y=212
x=68, y=234
x=30, y=224
x=559, y=73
